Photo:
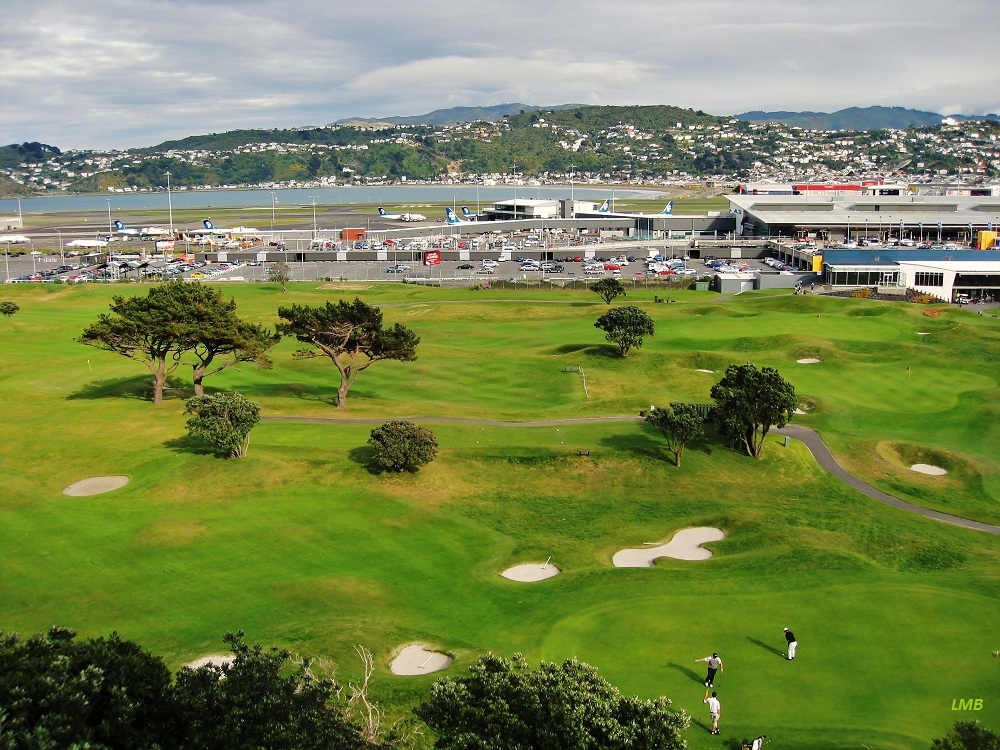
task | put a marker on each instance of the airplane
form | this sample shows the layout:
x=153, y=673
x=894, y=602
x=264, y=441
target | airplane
x=87, y=243
x=468, y=214
x=213, y=231
x=119, y=227
x=606, y=209
x=384, y=215
x=154, y=231
x=453, y=217
x=14, y=239
x=414, y=217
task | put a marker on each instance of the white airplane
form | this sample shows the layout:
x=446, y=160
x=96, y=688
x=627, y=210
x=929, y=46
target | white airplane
x=87, y=243
x=466, y=213
x=14, y=239
x=606, y=206
x=154, y=231
x=453, y=217
x=384, y=215
x=122, y=229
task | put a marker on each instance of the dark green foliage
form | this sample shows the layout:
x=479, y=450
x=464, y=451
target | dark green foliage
x=57, y=692
x=8, y=308
x=224, y=420
x=351, y=334
x=506, y=705
x=679, y=424
x=609, y=289
x=280, y=272
x=748, y=402
x=400, y=445
x=968, y=735
x=625, y=326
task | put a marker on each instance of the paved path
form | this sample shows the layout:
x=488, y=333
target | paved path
x=810, y=438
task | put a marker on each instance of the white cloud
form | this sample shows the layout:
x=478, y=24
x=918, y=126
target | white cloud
x=115, y=73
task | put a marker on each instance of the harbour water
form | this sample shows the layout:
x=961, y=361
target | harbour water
x=468, y=195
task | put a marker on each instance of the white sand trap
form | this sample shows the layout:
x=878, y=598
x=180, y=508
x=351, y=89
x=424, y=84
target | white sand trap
x=216, y=659
x=416, y=659
x=808, y=361
x=798, y=411
x=710, y=372
x=923, y=333
x=936, y=471
x=685, y=545
x=95, y=486
x=531, y=572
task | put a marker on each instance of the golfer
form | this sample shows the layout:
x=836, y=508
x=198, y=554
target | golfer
x=715, y=709
x=792, y=643
x=714, y=665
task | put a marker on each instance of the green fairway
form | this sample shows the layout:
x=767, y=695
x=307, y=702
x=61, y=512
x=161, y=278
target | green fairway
x=300, y=545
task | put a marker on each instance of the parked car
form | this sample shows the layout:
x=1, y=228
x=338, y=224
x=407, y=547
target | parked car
x=397, y=268
x=465, y=267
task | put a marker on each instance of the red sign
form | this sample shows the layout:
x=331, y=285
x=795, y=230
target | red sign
x=432, y=258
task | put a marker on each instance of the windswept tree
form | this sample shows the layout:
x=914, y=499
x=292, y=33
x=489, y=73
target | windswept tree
x=679, y=424
x=281, y=273
x=609, y=289
x=399, y=445
x=507, y=705
x=151, y=330
x=968, y=735
x=8, y=308
x=749, y=402
x=351, y=334
x=223, y=420
x=625, y=326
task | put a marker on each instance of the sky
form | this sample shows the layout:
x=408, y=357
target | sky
x=107, y=74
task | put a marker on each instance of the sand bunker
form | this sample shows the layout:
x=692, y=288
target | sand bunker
x=95, y=486
x=808, y=361
x=685, y=545
x=531, y=572
x=710, y=372
x=416, y=659
x=218, y=660
x=798, y=411
x=928, y=469
x=923, y=333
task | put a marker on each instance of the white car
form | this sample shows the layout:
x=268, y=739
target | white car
x=487, y=263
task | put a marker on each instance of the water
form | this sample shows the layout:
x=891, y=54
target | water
x=396, y=195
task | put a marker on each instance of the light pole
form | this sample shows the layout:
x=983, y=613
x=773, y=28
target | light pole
x=62, y=260
x=273, y=198
x=314, y=198
x=6, y=259
x=170, y=208
x=111, y=230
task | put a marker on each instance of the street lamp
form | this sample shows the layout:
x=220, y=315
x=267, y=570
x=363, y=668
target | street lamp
x=111, y=230
x=170, y=208
x=62, y=260
x=314, y=198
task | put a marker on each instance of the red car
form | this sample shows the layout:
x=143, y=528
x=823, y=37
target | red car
x=612, y=267
x=669, y=272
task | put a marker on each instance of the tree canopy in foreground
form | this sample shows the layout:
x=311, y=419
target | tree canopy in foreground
x=223, y=420
x=506, y=705
x=625, y=326
x=968, y=735
x=749, y=402
x=351, y=334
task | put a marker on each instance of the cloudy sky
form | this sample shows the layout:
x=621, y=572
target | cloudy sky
x=122, y=73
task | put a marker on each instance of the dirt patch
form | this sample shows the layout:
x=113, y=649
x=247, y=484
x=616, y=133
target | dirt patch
x=685, y=545
x=96, y=486
x=347, y=287
x=531, y=572
x=218, y=660
x=934, y=312
x=417, y=658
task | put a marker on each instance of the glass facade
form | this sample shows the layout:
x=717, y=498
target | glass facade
x=840, y=276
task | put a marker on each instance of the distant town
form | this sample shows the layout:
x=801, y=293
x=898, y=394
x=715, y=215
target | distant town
x=601, y=145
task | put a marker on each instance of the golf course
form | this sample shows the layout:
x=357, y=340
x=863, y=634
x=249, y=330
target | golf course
x=302, y=545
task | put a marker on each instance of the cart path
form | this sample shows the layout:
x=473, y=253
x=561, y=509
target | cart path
x=808, y=437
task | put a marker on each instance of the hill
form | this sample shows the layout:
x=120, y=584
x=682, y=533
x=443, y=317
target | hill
x=453, y=115
x=858, y=118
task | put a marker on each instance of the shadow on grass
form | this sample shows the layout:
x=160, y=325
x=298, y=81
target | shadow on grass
x=139, y=388
x=767, y=647
x=364, y=456
x=641, y=443
x=689, y=673
x=188, y=444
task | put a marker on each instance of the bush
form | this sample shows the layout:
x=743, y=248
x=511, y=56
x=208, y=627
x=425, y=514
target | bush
x=400, y=445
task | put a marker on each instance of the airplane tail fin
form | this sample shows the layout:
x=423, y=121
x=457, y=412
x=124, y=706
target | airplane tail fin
x=606, y=206
x=118, y=225
x=452, y=216
x=669, y=208
x=466, y=211
x=381, y=211
x=208, y=224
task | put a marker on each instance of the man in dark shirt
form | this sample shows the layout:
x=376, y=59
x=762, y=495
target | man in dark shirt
x=792, y=643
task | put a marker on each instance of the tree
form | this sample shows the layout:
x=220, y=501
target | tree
x=351, y=334
x=506, y=705
x=679, y=424
x=968, y=735
x=102, y=693
x=224, y=420
x=748, y=402
x=609, y=288
x=264, y=701
x=151, y=329
x=400, y=445
x=281, y=273
x=625, y=327
x=8, y=308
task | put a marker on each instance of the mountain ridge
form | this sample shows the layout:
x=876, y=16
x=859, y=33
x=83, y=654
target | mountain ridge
x=452, y=115
x=858, y=118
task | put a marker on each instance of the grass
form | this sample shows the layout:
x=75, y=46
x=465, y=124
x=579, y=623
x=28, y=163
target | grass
x=300, y=545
